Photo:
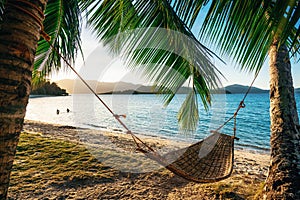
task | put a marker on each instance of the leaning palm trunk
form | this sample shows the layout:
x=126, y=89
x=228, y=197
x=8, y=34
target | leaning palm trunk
x=19, y=34
x=284, y=178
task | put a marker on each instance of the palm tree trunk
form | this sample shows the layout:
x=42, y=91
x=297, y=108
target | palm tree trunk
x=19, y=34
x=283, y=181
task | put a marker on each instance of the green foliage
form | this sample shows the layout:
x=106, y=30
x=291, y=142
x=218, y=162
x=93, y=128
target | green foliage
x=188, y=10
x=63, y=24
x=245, y=30
x=2, y=3
x=153, y=39
x=47, y=88
x=189, y=116
x=109, y=18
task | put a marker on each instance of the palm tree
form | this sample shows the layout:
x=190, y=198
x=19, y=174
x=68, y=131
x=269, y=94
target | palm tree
x=20, y=47
x=247, y=31
x=262, y=27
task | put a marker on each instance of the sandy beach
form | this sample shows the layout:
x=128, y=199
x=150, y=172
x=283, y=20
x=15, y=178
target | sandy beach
x=119, y=172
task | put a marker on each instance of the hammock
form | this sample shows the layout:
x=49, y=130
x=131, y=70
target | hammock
x=202, y=162
x=209, y=160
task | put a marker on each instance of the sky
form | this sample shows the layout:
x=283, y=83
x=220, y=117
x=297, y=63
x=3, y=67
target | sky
x=99, y=65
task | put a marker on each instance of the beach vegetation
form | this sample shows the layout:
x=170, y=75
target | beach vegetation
x=47, y=88
x=42, y=163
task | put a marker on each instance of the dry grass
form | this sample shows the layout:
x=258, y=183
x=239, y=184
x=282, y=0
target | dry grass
x=42, y=162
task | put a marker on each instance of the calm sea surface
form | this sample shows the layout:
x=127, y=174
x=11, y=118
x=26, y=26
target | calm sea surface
x=145, y=114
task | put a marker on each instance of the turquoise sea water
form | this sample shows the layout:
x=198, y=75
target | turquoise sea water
x=145, y=114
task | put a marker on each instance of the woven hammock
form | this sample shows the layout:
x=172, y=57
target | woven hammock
x=207, y=161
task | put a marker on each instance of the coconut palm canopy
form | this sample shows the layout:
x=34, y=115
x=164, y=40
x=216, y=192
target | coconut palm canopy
x=141, y=31
x=239, y=29
x=244, y=30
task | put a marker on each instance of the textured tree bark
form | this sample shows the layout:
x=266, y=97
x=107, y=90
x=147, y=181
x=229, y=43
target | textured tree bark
x=19, y=34
x=283, y=181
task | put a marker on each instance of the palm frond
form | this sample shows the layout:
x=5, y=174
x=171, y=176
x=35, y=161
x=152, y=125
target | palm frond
x=38, y=77
x=153, y=39
x=247, y=29
x=189, y=10
x=2, y=7
x=188, y=112
x=63, y=24
x=109, y=18
x=168, y=59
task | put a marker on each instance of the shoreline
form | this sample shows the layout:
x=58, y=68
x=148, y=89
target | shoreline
x=91, y=127
x=119, y=141
x=33, y=125
x=33, y=96
x=118, y=171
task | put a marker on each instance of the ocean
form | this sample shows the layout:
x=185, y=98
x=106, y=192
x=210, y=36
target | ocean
x=145, y=114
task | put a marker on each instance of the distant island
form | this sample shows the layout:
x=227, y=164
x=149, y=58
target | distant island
x=241, y=89
x=49, y=89
x=77, y=87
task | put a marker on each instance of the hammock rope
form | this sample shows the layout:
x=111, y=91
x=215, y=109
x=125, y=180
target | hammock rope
x=215, y=165
x=241, y=105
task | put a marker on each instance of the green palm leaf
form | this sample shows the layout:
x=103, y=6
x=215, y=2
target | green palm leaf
x=250, y=29
x=153, y=39
x=189, y=10
x=63, y=24
x=2, y=3
x=245, y=29
x=188, y=113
